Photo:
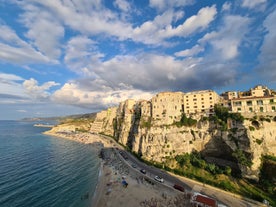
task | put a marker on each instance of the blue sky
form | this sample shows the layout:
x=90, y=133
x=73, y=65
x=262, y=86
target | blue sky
x=60, y=57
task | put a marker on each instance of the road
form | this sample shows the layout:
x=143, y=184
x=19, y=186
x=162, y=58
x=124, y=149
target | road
x=223, y=197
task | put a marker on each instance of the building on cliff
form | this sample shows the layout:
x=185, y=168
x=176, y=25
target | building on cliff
x=201, y=102
x=257, y=100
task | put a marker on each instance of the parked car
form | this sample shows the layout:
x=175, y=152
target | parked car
x=179, y=187
x=157, y=178
x=143, y=171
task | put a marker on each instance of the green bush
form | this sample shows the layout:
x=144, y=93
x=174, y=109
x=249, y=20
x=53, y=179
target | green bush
x=185, y=121
x=259, y=141
x=242, y=158
x=251, y=128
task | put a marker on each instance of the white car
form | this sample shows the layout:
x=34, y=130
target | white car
x=161, y=180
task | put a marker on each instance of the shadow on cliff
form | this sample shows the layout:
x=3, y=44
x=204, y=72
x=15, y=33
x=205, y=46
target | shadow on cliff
x=225, y=144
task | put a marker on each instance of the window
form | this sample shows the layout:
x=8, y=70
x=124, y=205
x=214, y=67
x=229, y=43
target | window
x=195, y=106
x=237, y=103
x=249, y=103
x=202, y=107
x=202, y=99
x=261, y=109
x=239, y=109
x=211, y=98
x=194, y=99
x=259, y=102
x=273, y=108
x=271, y=101
x=250, y=109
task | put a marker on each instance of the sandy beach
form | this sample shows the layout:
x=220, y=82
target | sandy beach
x=115, y=172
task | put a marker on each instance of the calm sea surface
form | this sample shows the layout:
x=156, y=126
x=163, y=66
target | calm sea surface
x=39, y=170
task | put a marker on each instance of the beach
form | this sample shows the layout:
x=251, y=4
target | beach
x=119, y=183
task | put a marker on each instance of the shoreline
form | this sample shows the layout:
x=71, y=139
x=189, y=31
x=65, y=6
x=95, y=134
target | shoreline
x=114, y=172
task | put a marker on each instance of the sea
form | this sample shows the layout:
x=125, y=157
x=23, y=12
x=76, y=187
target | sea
x=38, y=170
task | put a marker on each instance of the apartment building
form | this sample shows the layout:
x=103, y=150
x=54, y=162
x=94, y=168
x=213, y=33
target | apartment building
x=257, y=99
x=200, y=102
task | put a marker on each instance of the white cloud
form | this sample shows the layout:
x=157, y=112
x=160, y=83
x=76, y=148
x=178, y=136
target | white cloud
x=75, y=94
x=11, y=90
x=227, y=39
x=164, y=4
x=15, y=50
x=200, y=21
x=252, y=3
x=38, y=92
x=44, y=31
x=267, y=56
x=80, y=52
x=21, y=111
x=87, y=17
x=122, y=5
x=153, y=32
x=190, y=52
x=226, y=6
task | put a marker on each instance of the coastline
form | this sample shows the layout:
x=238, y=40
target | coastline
x=114, y=172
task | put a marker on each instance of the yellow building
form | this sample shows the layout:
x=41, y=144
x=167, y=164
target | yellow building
x=254, y=104
x=257, y=99
x=200, y=102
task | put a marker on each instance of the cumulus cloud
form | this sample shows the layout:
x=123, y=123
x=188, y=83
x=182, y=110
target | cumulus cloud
x=190, y=52
x=164, y=4
x=38, y=92
x=43, y=30
x=80, y=52
x=87, y=17
x=267, y=55
x=122, y=5
x=153, y=32
x=74, y=94
x=226, y=6
x=228, y=38
x=252, y=3
x=11, y=90
x=16, y=50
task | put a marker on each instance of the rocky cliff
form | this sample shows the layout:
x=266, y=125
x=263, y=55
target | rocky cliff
x=157, y=138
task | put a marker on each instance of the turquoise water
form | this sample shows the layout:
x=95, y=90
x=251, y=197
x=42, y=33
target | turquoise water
x=39, y=170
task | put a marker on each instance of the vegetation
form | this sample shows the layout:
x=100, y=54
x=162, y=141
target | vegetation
x=242, y=158
x=267, y=175
x=251, y=128
x=186, y=121
x=222, y=115
x=259, y=141
x=145, y=123
x=195, y=167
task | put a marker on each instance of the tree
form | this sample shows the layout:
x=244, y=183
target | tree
x=183, y=159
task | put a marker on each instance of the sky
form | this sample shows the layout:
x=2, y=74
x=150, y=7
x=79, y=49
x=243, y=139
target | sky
x=61, y=57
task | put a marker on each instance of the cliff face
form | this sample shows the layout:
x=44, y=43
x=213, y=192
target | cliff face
x=156, y=138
